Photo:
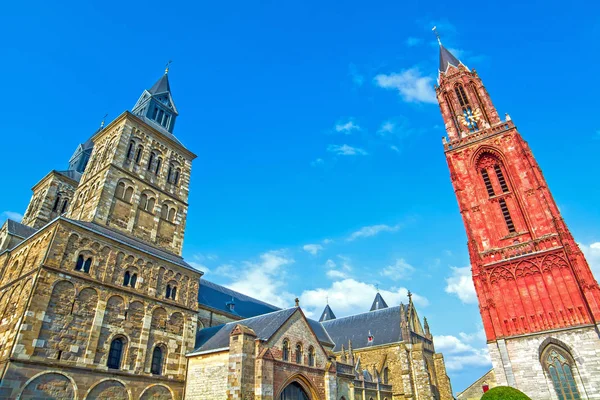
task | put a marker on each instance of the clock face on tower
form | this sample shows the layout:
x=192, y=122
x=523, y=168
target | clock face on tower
x=470, y=118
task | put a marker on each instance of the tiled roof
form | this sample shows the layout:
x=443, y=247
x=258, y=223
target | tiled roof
x=383, y=324
x=18, y=229
x=217, y=337
x=216, y=296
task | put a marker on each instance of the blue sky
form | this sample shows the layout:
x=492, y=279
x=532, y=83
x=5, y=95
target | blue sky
x=320, y=169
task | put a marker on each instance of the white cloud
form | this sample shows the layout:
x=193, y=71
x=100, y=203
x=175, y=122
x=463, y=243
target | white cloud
x=395, y=148
x=387, y=127
x=335, y=274
x=312, y=248
x=372, y=230
x=346, y=127
x=11, y=215
x=345, y=150
x=412, y=86
x=399, y=270
x=330, y=263
x=327, y=241
x=413, y=41
x=592, y=255
x=263, y=279
x=317, y=162
x=349, y=296
x=465, y=352
x=460, y=283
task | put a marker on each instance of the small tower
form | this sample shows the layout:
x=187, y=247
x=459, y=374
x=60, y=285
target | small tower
x=537, y=296
x=327, y=314
x=156, y=105
x=378, y=303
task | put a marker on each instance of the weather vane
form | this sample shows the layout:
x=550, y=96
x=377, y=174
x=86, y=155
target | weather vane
x=103, y=118
x=167, y=66
x=434, y=29
x=377, y=287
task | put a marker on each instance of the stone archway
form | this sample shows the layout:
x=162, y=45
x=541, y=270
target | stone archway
x=294, y=391
x=51, y=385
x=156, y=392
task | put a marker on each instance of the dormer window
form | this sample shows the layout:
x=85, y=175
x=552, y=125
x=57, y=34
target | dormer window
x=370, y=338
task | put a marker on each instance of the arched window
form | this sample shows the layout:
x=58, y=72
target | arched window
x=286, y=350
x=151, y=160
x=150, y=205
x=79, y=264
x=158, y=165
x=157, y=361
x=130, y=150
x=174, y=293
x=83, y=264
x=170, y=173
x=487, y=182
x=171, y=215
x=128, y=194
x=501, y=179
x=143, y=201
x=311, y=356
x=386, y=375
x=559, y=365
x=460, y=94
x=87, y=264
x=115, y=353
x=64, y=206
x=56, y=203
x=138, y=154
x=176, y=177
x=126, y=278
x=120, y=192
x=133, y=280
x=164, y=211
x=298, y=353
x=168, y=292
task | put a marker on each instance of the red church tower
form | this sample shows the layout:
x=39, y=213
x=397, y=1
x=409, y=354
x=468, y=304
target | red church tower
x=539, y=301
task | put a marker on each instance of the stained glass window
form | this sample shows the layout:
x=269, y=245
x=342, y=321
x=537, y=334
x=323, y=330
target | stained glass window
x=560, y=370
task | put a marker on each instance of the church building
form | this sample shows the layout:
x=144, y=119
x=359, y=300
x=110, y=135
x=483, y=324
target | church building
x=97, y=302
x=538, y=299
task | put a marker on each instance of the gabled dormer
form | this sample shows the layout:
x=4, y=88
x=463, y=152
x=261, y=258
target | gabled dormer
x=156, y=105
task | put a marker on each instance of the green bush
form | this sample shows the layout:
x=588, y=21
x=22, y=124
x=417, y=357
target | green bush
x=504, y=393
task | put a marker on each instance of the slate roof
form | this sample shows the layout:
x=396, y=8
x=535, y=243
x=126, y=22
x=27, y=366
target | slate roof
x=383, y=324
x=154, y=251
x=161, y=85
x=378, y=303
x=18, y=229
x=216, y=296
x=217, y=337
x=71, y=174
x=446, y=58
x=327, y=314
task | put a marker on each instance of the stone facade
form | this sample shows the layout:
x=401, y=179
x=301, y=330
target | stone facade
x=476, y=390
x=533, y=283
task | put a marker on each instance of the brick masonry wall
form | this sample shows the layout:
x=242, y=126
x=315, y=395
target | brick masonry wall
x=517, y=362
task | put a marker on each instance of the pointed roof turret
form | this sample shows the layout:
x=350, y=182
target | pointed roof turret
x=378, y=303
x=327, y=314
x=156, y=105
x=446, y=58
x=161, y=85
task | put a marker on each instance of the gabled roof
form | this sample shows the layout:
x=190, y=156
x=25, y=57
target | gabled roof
x=378, y=303
x=447, y=59
x=18, y=229
x=265, y=326
x=327, y=314
x=383, y=324
x=216, y=296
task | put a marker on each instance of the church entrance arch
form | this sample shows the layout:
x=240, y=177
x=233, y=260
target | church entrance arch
x=294, y=391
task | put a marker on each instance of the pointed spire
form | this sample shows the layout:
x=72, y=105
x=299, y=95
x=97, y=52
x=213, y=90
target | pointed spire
x=161, y=85
x=327, y=314
x=446, y=58
x=378, y=303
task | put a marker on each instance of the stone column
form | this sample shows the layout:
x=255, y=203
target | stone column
x=143, y=343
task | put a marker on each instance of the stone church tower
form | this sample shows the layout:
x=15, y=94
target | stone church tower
x=539, y=301
x=96, y=301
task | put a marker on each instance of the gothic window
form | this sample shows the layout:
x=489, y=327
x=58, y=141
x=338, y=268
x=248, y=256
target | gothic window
x=83, y=263
x=286, y=350
x=386, y=376
x=559, y=366
x=157, y=361
x=501, y=179
x=507, y=217
x=311, y=356
x=126, y=278
x=299, y=353
x=138, y=154
x=460, y=94
x=151, y=160
x=130, y=150
x=488, y=183
x=56, y=203
x=115, y=353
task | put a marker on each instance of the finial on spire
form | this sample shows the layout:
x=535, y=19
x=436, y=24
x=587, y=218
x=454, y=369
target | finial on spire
x=377, y=287
x=102, y=123
x=327, y=299
x=297, y=301
x=167, y=67
x=434, y=29
x=410, y=296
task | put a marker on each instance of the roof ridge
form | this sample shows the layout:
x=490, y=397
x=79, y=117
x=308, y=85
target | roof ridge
x=366, y=312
